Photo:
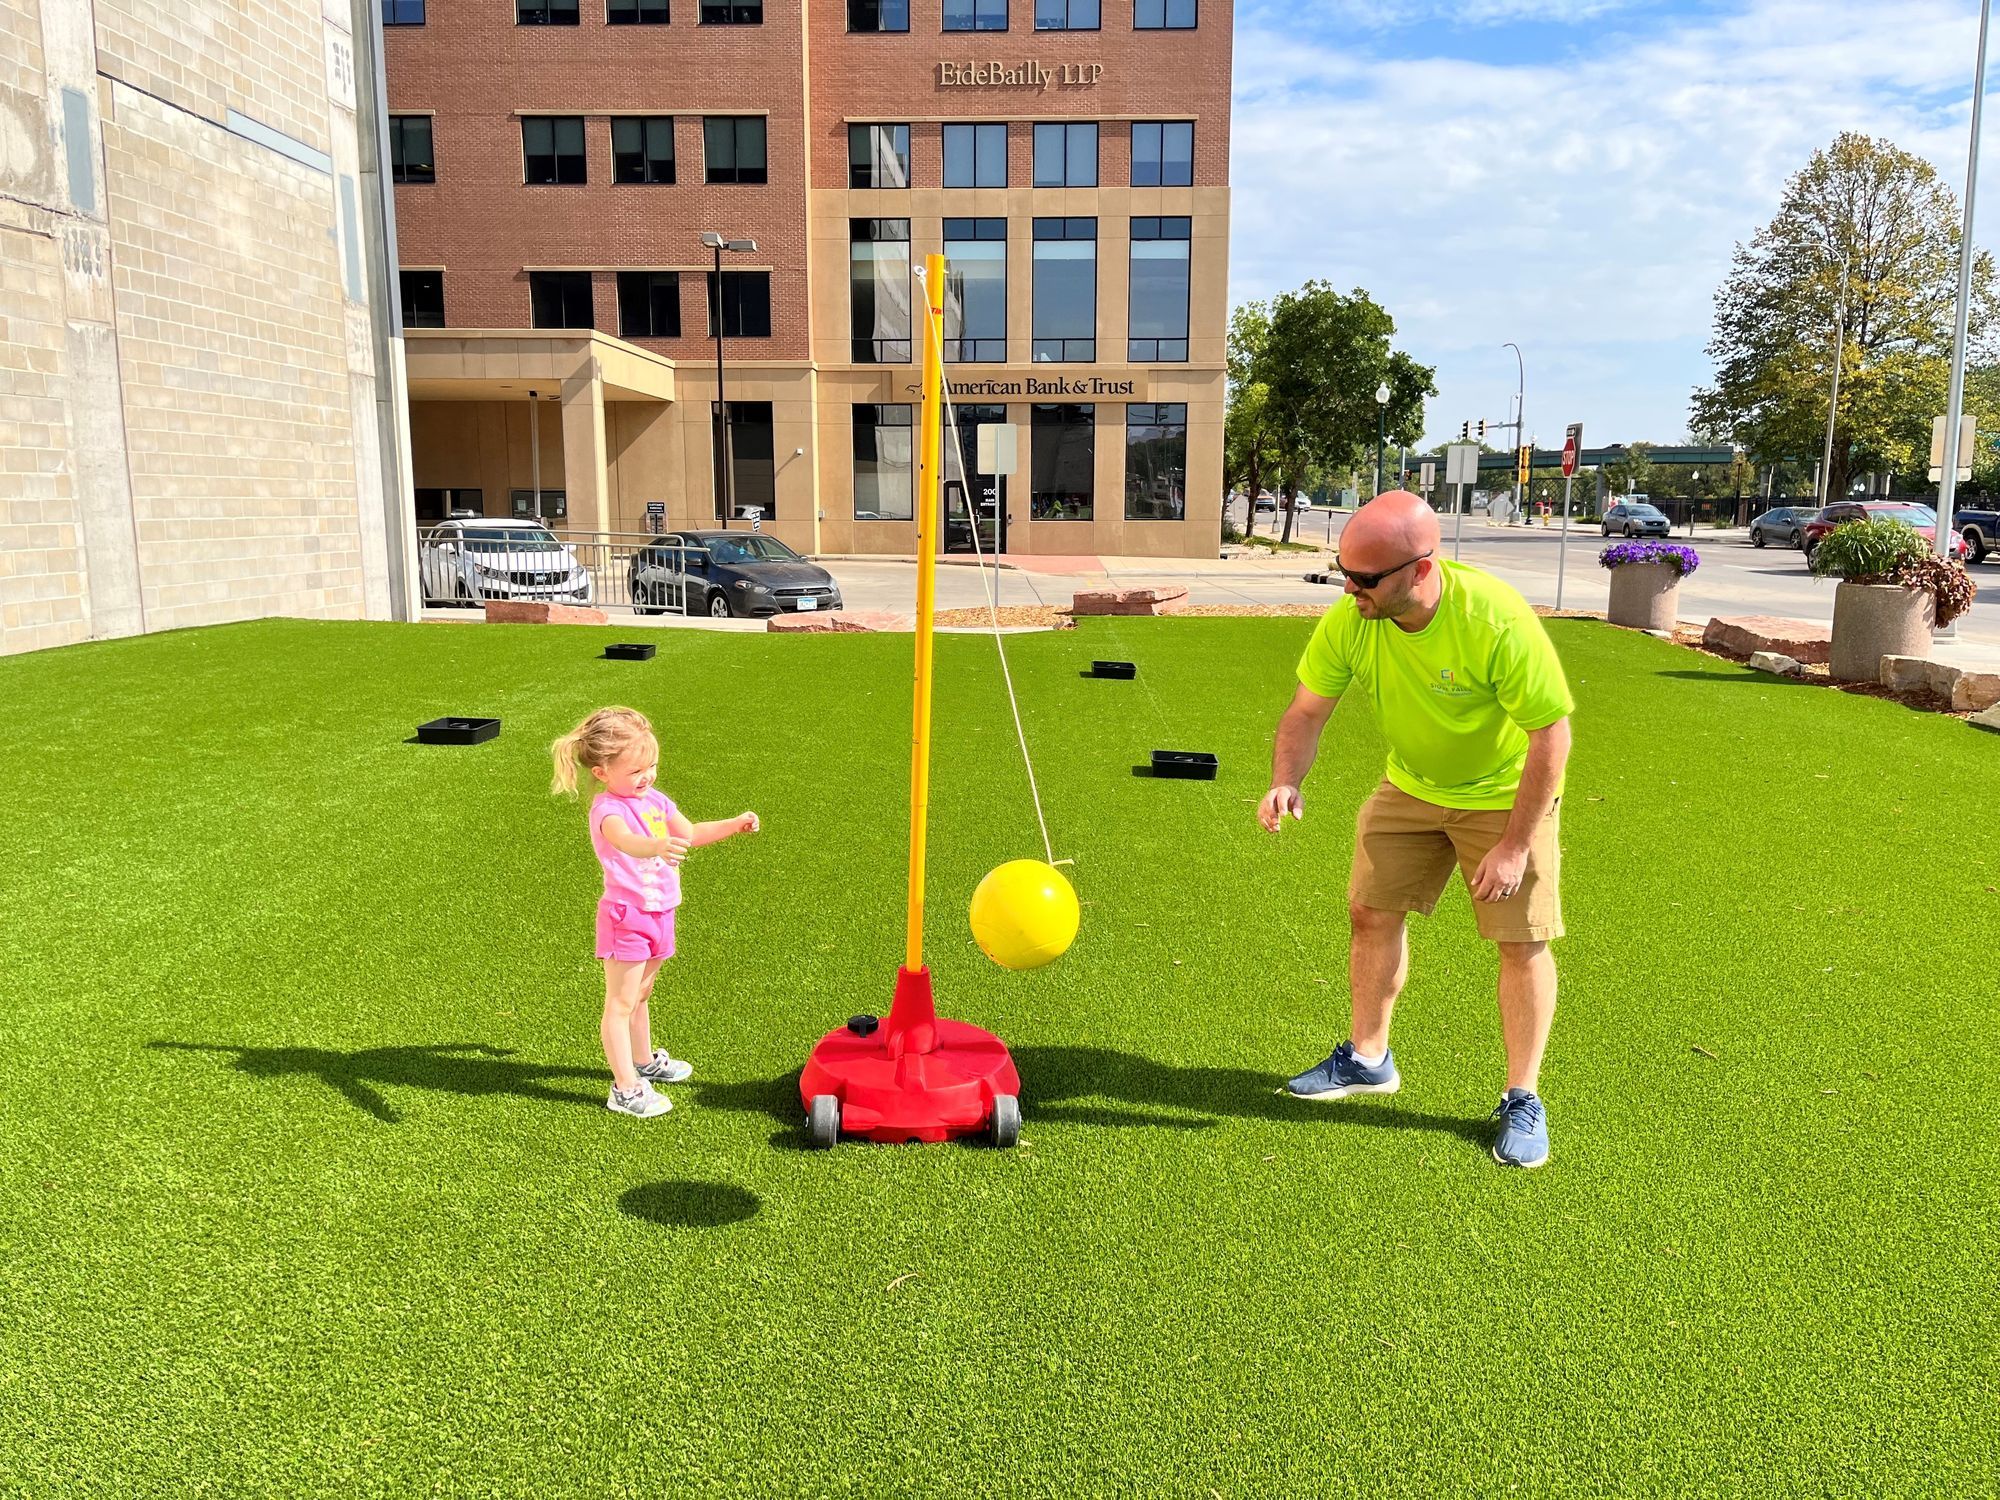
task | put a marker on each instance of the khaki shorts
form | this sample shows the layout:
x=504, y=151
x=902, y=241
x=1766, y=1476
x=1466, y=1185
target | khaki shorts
x=1404, y=849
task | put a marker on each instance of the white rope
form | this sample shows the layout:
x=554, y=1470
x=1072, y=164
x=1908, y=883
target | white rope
x=934, y=330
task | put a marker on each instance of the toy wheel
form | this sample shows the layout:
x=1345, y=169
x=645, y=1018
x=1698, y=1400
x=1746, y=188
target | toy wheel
x=823, y=1121
x=1005, y=1126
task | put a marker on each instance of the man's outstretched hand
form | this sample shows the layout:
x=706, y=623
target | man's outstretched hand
x=1277, y=802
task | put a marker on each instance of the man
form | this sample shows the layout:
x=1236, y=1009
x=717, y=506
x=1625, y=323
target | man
x=1469, y=693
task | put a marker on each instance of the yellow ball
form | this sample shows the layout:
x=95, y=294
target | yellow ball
x=1024, y=914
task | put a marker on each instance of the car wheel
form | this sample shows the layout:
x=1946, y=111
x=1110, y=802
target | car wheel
x=1628, y=531
x=640, y=606
x=718, y=606
x=1810, y=549
x=1756, y=537
x=1975, y=543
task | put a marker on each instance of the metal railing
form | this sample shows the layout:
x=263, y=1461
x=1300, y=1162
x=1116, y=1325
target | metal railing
x=524, y=561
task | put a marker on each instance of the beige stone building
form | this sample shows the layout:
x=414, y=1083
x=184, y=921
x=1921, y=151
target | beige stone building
x=1069, y=157
x=200, y=411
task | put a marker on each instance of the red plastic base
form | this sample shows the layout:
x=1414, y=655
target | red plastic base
x=916, y=1078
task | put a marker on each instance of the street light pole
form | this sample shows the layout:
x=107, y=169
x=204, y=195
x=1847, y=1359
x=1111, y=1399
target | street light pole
x=1381, y=429
x=1824, y=479
x=725, y=458
x=1520, y=415
x=1948, y=473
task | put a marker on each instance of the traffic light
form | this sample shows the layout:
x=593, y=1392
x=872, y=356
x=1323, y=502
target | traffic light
x=1482, y=429
x=1526, y=456
x=1465, y=431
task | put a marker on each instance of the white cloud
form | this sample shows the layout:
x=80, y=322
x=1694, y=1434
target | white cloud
x=1586, y=206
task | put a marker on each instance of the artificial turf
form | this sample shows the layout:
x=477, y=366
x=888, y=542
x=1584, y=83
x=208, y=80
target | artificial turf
x=306, y=1186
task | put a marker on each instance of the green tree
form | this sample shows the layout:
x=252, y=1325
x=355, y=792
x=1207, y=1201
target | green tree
x=1884, y=215
x=1324, y=355
x=1250, y=453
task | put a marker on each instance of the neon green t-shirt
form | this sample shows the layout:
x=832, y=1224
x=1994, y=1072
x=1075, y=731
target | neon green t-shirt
x=1456, y=699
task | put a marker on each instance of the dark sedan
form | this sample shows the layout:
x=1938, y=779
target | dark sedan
x=1783, y=524
x=726, y=573
x=1629, y=519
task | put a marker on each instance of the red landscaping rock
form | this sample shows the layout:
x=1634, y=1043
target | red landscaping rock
x=1745, y=635
x=839, y=622
x=1166, y=601
x=532, y=612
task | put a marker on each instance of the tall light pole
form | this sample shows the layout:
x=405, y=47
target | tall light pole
x=1520, y=414
x=1948, y=473
x=725, y=458
x=1823, y=481
x=1381, y=429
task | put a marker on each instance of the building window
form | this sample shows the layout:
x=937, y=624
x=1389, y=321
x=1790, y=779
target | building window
x=440, y=504
x=732, y=12
x=1163, y=154
x=1163, y=15
x=1066, y=15
x=1156, y=461
x=878, y=15
x=878, y=156
x=402, y=12
x=746, y=305
x=636, y=13
x=560, y=299
x=1066, y=155
x=552, y=147
x=649, y=304
x=410, y=156
x=975, y=291
x=642, y=150
x=975, y=15
x=975, y=156
x=733, y=148
x=1158, y=330
x=753, y=473
x=555, y=504
x=882, y=463
x=423, y=299
x=1065, y=290
x=545, y=12
x=1064, y=462
x=878, y=279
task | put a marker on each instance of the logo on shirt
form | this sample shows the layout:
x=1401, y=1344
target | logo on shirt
x=1448, y=686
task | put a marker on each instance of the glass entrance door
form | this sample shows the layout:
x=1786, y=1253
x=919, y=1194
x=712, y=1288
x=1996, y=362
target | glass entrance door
x=985, y=499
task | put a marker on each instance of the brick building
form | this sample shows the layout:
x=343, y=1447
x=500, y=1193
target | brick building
x=559, y=161
x=199, y=420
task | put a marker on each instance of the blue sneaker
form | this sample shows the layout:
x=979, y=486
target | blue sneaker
x=1524, y=1130
x=1340, y=1075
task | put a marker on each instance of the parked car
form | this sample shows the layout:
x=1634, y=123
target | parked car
x=725, y=573
x=1267, y=501
x=1633, y=518
x=1921, y=517
x=1980, y=531
x=1783, y=524
x=469, y=560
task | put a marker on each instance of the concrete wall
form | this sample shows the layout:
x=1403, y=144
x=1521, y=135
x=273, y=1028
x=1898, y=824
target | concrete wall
x=188, y=383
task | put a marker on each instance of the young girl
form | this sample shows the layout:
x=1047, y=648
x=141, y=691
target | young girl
x=640, y=838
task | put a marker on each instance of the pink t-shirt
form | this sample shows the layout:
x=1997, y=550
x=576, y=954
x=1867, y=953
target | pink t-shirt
x=649, y=884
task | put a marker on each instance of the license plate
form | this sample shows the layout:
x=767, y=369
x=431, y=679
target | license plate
x=808, y=602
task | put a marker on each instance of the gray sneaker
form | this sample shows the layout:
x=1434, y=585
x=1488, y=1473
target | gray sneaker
x=665, y=1069
x=642, y=1103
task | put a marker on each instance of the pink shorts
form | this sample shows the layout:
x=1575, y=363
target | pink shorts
x=633, y=934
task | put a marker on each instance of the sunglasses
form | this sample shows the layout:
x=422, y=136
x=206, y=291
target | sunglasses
x=1369, y=580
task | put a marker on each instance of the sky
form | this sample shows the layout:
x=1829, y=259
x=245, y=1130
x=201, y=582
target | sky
x=1571, y=175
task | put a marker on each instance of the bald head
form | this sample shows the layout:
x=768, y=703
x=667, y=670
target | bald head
x=1392, y=528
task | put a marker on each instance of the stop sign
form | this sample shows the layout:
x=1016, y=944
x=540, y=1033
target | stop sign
x=1569, y=456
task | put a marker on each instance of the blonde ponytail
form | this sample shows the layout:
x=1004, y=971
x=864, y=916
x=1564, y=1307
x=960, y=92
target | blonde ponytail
x=598, y=741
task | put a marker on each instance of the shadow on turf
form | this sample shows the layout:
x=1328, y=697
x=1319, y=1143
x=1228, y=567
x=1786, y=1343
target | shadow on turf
x=689, y=1205
x=1122, y=1090
x=1746, y=674
x=467, y=1068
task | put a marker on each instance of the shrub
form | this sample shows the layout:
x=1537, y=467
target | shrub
x=1951, y=588
x=1867, y=551
x=1683, y=560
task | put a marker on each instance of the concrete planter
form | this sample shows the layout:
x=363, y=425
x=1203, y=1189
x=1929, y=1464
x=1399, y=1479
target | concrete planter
x=1644, y=596
x=1874, y=620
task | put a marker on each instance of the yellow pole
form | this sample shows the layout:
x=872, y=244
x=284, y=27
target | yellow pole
x=929, y=513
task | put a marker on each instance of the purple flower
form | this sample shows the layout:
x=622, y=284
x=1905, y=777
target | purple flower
x=1683, y=560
